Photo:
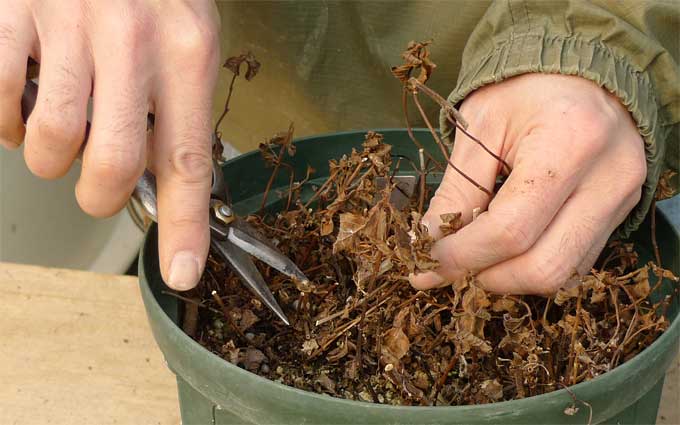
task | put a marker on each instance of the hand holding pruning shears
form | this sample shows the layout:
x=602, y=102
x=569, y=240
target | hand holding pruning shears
x=133, y=57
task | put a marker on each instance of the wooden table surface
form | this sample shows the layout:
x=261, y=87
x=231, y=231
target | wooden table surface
x=76, y=349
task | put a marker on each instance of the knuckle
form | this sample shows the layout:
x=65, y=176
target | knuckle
x=189, y=219
x=636, y=179
x=632, y=176
x=133, y=35
x=512, y=238
x=116, y=167
x=590, y=125
x=55, y=131
x=637, y=173
x=546, y=277
x=197, y=40
x=592, y=134
x=633, y=199
x=191, y=163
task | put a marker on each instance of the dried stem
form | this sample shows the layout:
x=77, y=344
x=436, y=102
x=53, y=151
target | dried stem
x=655, y=245
x=421, y=180
x=445, y=374
x=578, y=400
x=226, y=107
x=443, y=149
x=190, y=301
x=409, y=130
x=450, y=110
x=573, y=358
x=227, y=316
x=278, y=162
x=456, y=118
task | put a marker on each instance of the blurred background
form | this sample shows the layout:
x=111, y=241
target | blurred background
x=41, y=223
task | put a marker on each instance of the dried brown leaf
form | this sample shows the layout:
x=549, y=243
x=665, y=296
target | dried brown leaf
x=416, y=58
x=396, y=343
x=252, y=65
x=451, y=223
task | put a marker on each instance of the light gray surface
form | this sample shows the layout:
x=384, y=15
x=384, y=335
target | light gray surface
x=669, y=408
x=41, y=223
x=672, y=208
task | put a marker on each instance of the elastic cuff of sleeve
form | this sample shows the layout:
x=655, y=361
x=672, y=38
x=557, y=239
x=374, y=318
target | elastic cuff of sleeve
x=527, y=53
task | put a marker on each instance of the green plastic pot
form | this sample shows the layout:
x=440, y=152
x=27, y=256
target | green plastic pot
x=212, y=390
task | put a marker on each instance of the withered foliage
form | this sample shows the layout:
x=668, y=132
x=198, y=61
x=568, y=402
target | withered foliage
x=233, y=64
x=416, y=58
x=360, y=331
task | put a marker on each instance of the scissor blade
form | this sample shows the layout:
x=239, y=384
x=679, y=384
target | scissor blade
x=245, y=237
x=245, y=268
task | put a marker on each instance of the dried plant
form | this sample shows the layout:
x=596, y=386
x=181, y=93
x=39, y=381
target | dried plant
x=360, y=331
x=234, y=64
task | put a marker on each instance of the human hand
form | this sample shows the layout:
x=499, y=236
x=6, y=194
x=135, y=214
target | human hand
x=578, y=165
x=133, y=56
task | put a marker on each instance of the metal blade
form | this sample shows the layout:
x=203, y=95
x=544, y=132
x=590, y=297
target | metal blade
x=243, y=265
x=248, y=239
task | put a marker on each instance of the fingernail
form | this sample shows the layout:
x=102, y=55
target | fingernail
x=427, y=280
x=185, y=271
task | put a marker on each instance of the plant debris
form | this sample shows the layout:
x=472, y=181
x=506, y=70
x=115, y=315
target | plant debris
x=360, y=331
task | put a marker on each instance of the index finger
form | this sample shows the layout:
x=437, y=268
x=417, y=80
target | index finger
x=182, y=162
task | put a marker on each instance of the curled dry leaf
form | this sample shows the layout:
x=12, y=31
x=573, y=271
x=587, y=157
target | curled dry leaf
x=451, y=223
x=252, y=65
x=416, y=58
x=396, y=343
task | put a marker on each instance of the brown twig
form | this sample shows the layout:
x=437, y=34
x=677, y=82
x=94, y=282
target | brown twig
x=190, y=301
x=450, y=110
x=655, y=245
x=277, y=164
x=226, y=314
x=226, y=107
x=445, y=374
x=573, y=361
x=421, y=179
x=443, y=149
x=409, y=129
x=578, y=400
x=456, y=118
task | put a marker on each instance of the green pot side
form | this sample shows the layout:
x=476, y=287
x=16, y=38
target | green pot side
x=212, y=390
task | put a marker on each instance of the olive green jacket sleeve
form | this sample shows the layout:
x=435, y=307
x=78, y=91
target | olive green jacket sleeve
x=631, y=48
